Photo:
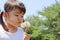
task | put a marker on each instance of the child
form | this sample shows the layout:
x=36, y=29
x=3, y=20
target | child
x=10, y=20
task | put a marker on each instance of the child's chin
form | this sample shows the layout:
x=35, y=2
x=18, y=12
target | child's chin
x=18, y=25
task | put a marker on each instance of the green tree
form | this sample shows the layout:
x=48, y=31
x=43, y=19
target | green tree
x=48, y=29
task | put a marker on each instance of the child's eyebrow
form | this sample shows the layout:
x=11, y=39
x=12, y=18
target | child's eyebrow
x=17, y=12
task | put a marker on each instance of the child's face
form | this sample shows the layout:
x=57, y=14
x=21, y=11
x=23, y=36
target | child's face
x=15, y=17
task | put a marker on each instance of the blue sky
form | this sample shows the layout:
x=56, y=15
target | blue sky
x=33, y=6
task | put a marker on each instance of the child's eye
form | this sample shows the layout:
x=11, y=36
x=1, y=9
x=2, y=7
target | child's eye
x=16, y=15
x=21, y=16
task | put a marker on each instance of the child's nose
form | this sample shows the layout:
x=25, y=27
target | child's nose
x=19, y=18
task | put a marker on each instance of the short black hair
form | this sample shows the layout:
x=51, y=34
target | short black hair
x=8, y=7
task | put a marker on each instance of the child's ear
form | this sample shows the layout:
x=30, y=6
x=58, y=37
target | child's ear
x=5, y=14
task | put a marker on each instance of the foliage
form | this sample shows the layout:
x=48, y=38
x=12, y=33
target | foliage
x=48, y=29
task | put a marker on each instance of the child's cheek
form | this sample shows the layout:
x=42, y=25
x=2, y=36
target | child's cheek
x=12, y=18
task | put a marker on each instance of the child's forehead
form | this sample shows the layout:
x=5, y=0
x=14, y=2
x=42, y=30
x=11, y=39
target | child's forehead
x=17, y=11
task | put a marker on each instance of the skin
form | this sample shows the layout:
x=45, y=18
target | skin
x=26, y=36
x=13, y=20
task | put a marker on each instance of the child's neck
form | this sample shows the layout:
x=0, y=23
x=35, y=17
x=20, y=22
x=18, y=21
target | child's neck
x=11, y=28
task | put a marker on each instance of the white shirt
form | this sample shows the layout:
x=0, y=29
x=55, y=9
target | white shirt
x=4, y=35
